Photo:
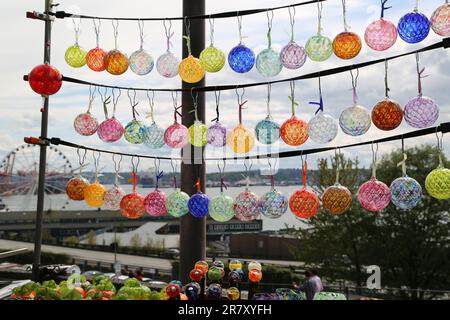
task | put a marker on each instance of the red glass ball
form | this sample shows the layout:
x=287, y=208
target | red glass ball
x=95, y=59
x=387, y=115
x=196, y=275
x=173, y=290
x=45, y=79
x=132, y=206
x=304, y=203
x=255, y=275
x=294, y=131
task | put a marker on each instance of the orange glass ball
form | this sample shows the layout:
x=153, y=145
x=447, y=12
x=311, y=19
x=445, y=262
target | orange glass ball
x=294, y=131
x=132, y=206
x=94, y=194
x=255, y=275
x=336, y=199
x=191, y=70
x=202, y=265
x=241, y=139
x=95, y=59
x=304, y=203
x=387, y=115
x=347, y=45
x=75, y=188
x=116, y=62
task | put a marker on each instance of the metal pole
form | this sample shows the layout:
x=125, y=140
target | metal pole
x=192, y=230
x=43, y=152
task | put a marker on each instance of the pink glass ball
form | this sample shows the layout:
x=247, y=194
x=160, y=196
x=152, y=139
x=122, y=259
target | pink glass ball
x=112, y=198
x=440, y=20
x=374, y=195
x=421, y=112
x=246, y=206
x=85, y=124
x=110, y=130
x=293, y=56
x=176, y=136
x=155, y=203
x=380, y=35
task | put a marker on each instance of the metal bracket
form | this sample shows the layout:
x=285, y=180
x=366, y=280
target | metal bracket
x=39, y=16
x=36, y=141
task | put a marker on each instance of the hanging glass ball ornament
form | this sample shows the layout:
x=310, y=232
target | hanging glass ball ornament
x=380, y=35
x=135, y=132
x=255, y=275
x=95, y=59
x=347, y=45
x=202, y=265
x=196, y=275
x=217, y=135
x=212, y=59
x=191, y=70
x=267, y=131
x=132, y=206
x=155, y=203
x=198, y=205
x=421, y=112
x=173, y=290
x=110, y=130
x=413, y=27
x=116, y=62
x=374, y=195
x=177, y=204
x=336, y=199
x=355, y=120
x=268, y=63
x=304, y=203
x=440, y=20
x=246, y=206
x=221, y=208
x=112, y=198
x=406, y=193
x=214, y=292
x=254, y=265
x=387, y=115
x=176, y=136
x=241, y=139
x=437, y=183
x=294, y=131
x=85, y=124
x=235, y=265
x=273, y=204
x=241, y=59
x=75, y=56
x=154, y=136
x=322, y=128
x=197, y=134
x=94, y=194
x=75, y=188
x=141, y=62
x=219, y=264
x=293, y=56
x=233, y=293
x=319, y=48
x=45, y=79
x=214, y=274
x=167, y=65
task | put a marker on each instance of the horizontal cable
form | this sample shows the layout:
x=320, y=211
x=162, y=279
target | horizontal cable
x=229, y=14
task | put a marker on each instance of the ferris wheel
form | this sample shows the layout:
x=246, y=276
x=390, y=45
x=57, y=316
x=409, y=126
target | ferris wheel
x=19, y=179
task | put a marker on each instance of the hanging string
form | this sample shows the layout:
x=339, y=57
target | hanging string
x=195, y=104
x=304, y=171
x=440, y=147
x=76, y=28
x=97, y=24
x=354, y=85
x=248, y=166
x=105, y=101
x=133, y=173
x=115, y=24
x=96, y=164
x=292, y=21
x=241, y=103
x=81, y=159
x=386, y=84
x=294, y=104
x=416, y=8
x=374, y=160
x=198, y=185
x=403, y=162
x=217, y=96
x=91, y=98
x=269, y=27
x=117, y=169
x=272, y=173
x=169, y=33
x=320, y=103
x=115, y=100
x=141, y=33
x=174, y=165
x=319, y=16
x=239, y=20
x=175, y=106
x=211, y=31
x=133, y=102
x=337, y=157
x=159, y=174
x=344, y=13
x=269, y=89
x=222, y=174
x=384, y=8
x=420, y=75
x=151, y=103
x=187, y=24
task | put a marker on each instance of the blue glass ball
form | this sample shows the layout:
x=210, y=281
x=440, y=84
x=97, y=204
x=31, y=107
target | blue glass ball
x=406, y=193
x=154, y=136
x=413, y=27
x=241, y=59
x=135, y=132
x=267, y=131
x=273, y=204
x=268, y=63
x=198, y=205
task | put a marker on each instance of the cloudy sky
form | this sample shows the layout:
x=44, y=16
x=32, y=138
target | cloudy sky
x=23, y=48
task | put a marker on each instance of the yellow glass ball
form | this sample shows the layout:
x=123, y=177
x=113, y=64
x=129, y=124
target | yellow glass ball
x=197, y=134
x=116, y=62
x=337, y=199
x=191, y=70
x=94, y=194
x=437, y=183
x=241, y=139
x=75, y=56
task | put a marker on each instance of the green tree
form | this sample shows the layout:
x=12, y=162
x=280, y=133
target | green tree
x=71, y=240
x=92, y=238
x=135, y=241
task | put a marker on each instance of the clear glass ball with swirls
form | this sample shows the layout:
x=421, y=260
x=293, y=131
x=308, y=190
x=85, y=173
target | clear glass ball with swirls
x=355, y=120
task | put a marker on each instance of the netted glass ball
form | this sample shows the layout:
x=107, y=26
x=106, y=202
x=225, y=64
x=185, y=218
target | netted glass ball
x=135, y=132
x=112, y=198
x=268, y=63
x=322, y=128
x=347, y=45
x=241, y=139
x=406, y=193
x=374, y=195
x=267, y=131
x=191, y=70
x=319, y=48
x=273, y=204
x=304, y=203
x=336, y=199
x=233, y=293
x=95, y=59
x=198, y=205
x=196, y=275
x=217, y=135
x=177, y=204
x=167, y=65
x=380, y=35
x=85, y=124
x=437, y=183
x=94, y=194
x=141, y=62
x=221, y=208
x=116, y=62
x=110, y=130
x=440, y=20
x=254, y=265
x=387, y=115
x=197, y=134
x=214, y=292
x=293, y=56
x=255, y=275
x=155, y=203
x=413, y=27
x=212, y=59
x=214, y=274
x=154, y=136
x=355, y=120
x=294, y=131
x=202, y=265
x=45, y=79
x=75, y=56
x=176, y=136
x=241, y=59
x=132, y=206
x=421, y=112
x=246, y=206
x=75, y=188
x=235, y=265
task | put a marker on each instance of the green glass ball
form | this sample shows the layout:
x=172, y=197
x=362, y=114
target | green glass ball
x=197, y=134
x=75, y=56
x=212, y=59
x=319, y=48
x=177, y=204
x=221, y=208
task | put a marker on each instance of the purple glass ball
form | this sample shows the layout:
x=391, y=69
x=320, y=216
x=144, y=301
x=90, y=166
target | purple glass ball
x=217, y=135
x=198, y=205
x=421, y=112
x=293, y=56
